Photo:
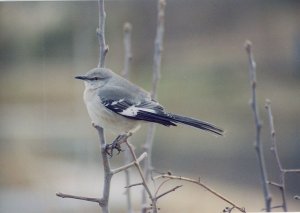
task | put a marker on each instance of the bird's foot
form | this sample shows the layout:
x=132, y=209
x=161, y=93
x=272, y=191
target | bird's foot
x=110, y=148
x=116, y=144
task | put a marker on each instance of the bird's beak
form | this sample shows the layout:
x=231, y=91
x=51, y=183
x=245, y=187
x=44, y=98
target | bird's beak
x=81, y=77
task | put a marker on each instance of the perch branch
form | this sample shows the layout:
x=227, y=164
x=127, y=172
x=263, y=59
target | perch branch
x=158, y=47
x=107, y=170
x=257, y=144
x=108, y=173
x=103, y=49
x=203, y=186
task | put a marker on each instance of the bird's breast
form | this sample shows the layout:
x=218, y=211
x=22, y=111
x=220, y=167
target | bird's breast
x=106, y=118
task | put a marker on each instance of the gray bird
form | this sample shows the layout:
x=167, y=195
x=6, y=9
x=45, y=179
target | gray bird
x=120, y=106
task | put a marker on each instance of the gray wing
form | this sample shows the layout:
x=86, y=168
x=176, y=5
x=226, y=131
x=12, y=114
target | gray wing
x=137, y=106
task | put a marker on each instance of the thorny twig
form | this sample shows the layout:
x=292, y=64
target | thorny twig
x=198, y=182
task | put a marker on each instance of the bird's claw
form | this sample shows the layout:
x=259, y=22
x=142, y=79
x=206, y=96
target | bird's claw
x=110, y=148
x=116, y=144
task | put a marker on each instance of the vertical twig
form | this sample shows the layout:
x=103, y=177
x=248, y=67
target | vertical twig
x=127, y=59
x=156, y=76
x=158, y=47
x=274, y=150
x=257, y=144
x=103, y=48
x=144, y=181
x=127, y=49
x=107, y=171
x=281, y=185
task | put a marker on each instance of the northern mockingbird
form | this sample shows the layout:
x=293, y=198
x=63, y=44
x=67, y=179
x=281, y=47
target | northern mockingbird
x=116, y=104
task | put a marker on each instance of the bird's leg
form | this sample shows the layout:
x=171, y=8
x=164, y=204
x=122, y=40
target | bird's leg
x=116, y=144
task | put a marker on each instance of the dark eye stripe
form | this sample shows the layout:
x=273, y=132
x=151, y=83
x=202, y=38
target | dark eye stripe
x=95, y=79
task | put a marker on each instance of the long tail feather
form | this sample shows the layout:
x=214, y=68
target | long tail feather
x=169, y=119
x=196, y=123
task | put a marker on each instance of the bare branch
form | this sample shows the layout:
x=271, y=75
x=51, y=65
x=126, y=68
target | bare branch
x=122, y=168
x=145, y=184
x=275, y=184
x=103, y=49
x=127, y=28
x=291, y=170
x=257, y=144
x=96, y=200
x=167, y=192
x=135, y=184
x=203, y=186
x=127, y=49
x=160, y=185
x=274, y=149
x=107, y=170
x=101, y=34
x=158, y=47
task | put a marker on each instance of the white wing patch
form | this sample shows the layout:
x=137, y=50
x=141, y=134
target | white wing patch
x=133, y=111
x=116, y=102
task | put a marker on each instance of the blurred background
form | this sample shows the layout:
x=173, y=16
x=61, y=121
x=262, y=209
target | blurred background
x=47, y=143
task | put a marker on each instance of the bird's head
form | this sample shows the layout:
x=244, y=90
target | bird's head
x=95, y=78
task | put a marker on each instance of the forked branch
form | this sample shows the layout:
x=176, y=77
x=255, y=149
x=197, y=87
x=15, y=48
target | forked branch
x=199, y=183
x=257, y=144
x=281, y=185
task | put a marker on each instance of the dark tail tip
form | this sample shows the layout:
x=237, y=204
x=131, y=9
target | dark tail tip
x=198, y=124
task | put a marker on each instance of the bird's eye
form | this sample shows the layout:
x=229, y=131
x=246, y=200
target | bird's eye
x=96, y=78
